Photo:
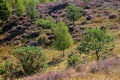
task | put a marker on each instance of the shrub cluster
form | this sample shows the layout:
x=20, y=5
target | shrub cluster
x=32, y=59
x=45, y=23
x=10, y=67
x=73, y=59
x=5, y=9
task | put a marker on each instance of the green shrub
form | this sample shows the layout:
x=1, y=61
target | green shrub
x=20, y=8
x=5, y=9
x=45, y=1
x=31, y=10
x=32, y=59
x=73, y=13
x=73, y=59
x=45, y=23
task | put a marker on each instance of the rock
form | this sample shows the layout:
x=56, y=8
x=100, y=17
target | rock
x=17, y=38
x=34, y=34
x=50, y=37
x=87, y=7
x=102, y=27
x=106, y=13
x=77, y=39
x=33, y=43
x=113, y=16
x=19, y=22
x=83, y=23
x=71, y=28
x=114, y=27
x=13, y=29
x=16, y=42
x=48, y=42
x=89, y=17
x=108, y=0
x=118, y=10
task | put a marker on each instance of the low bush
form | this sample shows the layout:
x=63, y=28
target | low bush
x=106, y=66
x=32, y=59
x=10, y=68
x=73, y=59
x=45, y=23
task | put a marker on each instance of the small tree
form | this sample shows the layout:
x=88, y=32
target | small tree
x=73, y=13
x=20, y=8
x=63, y=38
x=31, y=10
x=96, y=40
x=5, y=9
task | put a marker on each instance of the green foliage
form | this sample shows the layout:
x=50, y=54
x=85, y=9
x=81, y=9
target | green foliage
x=20, y=8
x=31, y=10
x=9, y=70
x=5, y=9
x=63, y=38
x=73, y=13
x=45, y=23
x=73, y=59
x=45, y=1
x=32, y=59
x=96, y=40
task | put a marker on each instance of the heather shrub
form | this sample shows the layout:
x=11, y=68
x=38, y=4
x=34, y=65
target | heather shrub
x=73, y=59
x=64, y=75
x=104, y=66
x=32, y=59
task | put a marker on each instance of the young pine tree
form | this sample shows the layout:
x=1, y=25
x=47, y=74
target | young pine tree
x=73, y=13
x=63, y=38
x=31, y=10
x=5, y=9
x=20, y=8
x=96, y=40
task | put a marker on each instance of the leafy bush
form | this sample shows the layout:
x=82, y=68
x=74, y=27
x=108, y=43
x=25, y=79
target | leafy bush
x=73, y=13
x=73, y=59
x=20, y=8
x=32, y=59
x=5, y=9
x=31, y=10
x=45, y=23
x=45, y=1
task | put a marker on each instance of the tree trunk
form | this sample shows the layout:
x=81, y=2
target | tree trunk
x=97, y=55
x=63, y=53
